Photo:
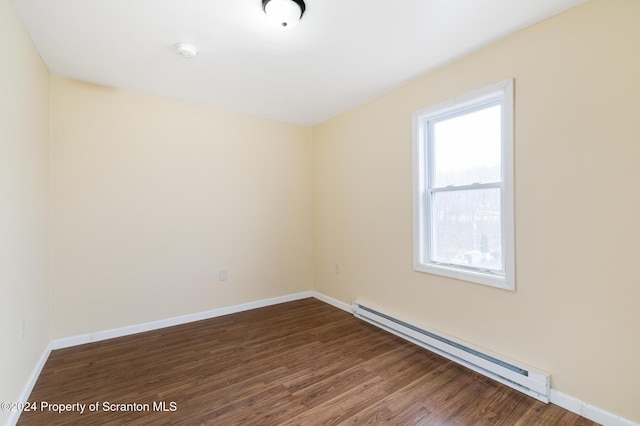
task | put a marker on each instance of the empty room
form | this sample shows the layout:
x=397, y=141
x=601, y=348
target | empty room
x=272, y=212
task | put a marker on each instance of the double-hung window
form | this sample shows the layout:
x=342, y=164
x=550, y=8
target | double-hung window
x=463, y=187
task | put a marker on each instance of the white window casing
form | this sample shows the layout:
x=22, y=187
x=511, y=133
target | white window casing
x=468, y=264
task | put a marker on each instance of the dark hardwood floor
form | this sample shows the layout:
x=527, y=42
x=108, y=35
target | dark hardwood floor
x=298, y=363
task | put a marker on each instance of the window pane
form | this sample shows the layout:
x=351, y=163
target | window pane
x=467, y=228
x=467, y=148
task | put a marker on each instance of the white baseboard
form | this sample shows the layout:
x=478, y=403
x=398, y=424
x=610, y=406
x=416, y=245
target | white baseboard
x=588, y=411
x=333, y=302
x=169, y=322
x=31, y=382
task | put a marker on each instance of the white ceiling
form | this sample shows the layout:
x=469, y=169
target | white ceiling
x=342, y=54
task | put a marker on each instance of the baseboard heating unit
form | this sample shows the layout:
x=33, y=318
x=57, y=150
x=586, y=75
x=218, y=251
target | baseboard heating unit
x=522, y=378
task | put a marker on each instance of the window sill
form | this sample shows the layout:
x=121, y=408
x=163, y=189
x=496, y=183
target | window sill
x=476, y=277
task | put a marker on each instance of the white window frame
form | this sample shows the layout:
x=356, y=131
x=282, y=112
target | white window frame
x=421, y=193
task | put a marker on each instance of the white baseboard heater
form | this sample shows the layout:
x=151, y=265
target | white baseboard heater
x=524, y=379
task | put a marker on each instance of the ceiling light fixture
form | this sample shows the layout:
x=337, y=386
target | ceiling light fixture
x=285, y=13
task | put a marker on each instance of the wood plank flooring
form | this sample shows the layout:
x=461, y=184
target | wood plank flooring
x=297, y=363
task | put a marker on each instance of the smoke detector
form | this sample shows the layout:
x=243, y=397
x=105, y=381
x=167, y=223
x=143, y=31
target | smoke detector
x=186, y=50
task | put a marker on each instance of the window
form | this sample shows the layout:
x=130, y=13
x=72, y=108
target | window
x=463, y=187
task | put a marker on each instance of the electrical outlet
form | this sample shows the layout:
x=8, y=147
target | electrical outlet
x=223, y=275
x=336, y=268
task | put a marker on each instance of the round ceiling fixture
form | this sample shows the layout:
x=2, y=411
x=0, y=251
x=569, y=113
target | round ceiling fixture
x=186, y=50
x=285, y=13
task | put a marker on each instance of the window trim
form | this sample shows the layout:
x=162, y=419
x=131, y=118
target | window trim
x=421, y=160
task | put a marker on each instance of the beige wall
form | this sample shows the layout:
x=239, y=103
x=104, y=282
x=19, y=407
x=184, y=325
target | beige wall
x=575, y=312
x=24, y=127
x=153, y=197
